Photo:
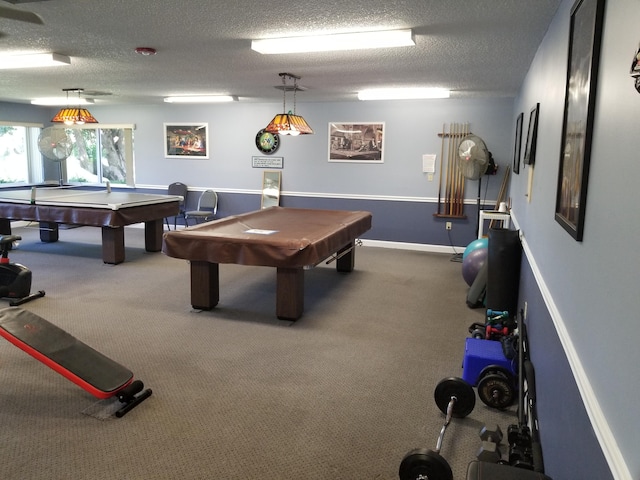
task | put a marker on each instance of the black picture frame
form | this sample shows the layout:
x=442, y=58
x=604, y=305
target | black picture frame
x=517, y=149
x=532, y=136
x=585, y=37
x=186, y=140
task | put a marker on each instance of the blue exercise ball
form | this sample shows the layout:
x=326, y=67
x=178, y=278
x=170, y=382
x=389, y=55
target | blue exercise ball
x=479, y=243
x=472, y=264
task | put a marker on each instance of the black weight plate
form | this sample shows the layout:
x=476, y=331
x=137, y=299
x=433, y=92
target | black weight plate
x=459, y=388
x=425, y=464
x=495, y=391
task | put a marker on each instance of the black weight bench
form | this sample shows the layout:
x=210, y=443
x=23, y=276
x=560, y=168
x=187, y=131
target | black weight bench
x=76, y=361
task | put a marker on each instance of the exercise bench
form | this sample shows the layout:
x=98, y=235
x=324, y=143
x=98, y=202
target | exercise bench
x=89, y=369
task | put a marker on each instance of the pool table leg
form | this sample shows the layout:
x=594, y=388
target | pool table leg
x=153, y=230
x=205, y=285
x=346, y=258
x=5, y=226
x=290, y=293
x=113, y=245
x=49, y=232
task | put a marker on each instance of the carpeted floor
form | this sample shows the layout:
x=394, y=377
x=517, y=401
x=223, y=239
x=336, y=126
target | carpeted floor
x=343, y=393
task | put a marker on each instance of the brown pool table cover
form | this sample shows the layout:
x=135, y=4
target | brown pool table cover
x=273, y=237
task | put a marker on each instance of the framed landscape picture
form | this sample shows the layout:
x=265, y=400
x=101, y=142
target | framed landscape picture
x=356, y=142
x=517, y=150
x=532, y=136
x=186, y=140
x=585, y=34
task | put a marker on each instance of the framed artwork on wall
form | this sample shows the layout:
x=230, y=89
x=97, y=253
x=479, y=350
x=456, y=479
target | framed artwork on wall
x=186, y=140
x=360, y=142
x=585, y=32
x=517, y=150
x=532, y=136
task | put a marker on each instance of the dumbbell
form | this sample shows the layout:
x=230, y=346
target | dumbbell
x=455, y=398
x=490, y=449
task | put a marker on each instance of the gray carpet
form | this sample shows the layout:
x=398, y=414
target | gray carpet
x=343, y=393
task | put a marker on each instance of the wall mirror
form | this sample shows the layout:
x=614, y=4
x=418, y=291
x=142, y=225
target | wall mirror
x=271, y=189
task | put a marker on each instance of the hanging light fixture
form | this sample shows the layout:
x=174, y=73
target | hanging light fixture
x=289, y=123
x=73, y=116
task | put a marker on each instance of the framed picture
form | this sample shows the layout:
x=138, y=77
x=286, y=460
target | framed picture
x=356, y=142
x=532, y=136
x=186, y=140
x=517, y=150
x=585, y=34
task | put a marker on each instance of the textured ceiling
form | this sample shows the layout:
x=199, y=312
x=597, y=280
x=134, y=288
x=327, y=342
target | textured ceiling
x=477, y=48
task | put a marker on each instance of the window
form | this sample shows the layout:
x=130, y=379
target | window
x=100, y=155
x=18, y=164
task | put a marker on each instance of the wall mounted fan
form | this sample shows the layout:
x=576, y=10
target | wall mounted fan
x=54, y=144
x=474, y=157
x=475, y=160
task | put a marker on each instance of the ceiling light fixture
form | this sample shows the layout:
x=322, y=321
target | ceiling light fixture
x=289, y=123
x=403, y=93
x=74, y=116
x=60, y=101
x=32, y=60
x=335, y=42
x=200, y=99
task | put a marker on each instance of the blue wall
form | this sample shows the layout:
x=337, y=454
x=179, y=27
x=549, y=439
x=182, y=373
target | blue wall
x=581, y=297
x=584, y=332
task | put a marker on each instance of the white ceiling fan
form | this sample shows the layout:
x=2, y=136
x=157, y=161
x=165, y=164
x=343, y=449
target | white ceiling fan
x=21, y=15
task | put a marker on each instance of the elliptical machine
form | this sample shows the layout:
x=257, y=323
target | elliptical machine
x=15, y=279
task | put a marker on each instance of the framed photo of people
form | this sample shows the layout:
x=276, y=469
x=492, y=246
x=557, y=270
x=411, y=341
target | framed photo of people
x=361, y=142
x=186, y=140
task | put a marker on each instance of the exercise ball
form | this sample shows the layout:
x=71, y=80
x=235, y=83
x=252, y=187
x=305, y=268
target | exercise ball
x=472, y=264
x=479, y=243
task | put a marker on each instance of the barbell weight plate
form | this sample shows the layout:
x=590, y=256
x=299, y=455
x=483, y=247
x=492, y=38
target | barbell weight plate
x=459, y=388
x=495, y=391
x=423, y=464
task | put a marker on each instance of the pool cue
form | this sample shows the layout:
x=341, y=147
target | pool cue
x=456, y=180
x=440, y=172
x=448, y=176
x=501, y=193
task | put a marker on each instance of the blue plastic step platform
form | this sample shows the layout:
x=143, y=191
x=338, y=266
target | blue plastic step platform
x=480, y=354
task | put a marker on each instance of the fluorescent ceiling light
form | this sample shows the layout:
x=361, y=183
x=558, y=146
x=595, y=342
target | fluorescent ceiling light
x=61, y=101
x=31, y=60
x=402, y=93
x=200, y=99
x=334, y=42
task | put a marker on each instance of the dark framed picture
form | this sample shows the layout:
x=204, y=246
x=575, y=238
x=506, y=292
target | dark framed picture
x=356, y=142
x=532, y=136
x=517, y=150
x=186, y=140
x=585, y=35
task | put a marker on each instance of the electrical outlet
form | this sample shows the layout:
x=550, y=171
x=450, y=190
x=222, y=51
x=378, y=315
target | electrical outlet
x=447, y=225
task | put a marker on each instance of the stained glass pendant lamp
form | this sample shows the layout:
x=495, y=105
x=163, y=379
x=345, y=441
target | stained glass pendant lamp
x=288, y=123
x=74, y=115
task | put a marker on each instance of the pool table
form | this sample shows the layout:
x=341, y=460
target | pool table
x=289, y=239
x=51, y=206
